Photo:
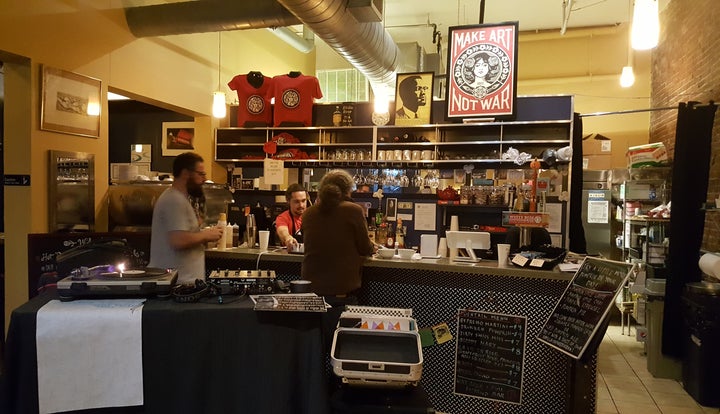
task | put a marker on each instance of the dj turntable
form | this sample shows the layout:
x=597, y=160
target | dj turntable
x=109, y=282
x=252, y=282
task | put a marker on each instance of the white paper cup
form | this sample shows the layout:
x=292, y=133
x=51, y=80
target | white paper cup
x=454, y=224
x=264, y=239
x=442, y=247
x=503, y=251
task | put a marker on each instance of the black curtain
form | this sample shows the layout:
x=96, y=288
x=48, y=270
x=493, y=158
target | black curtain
x=691, y=168
x=576, y=231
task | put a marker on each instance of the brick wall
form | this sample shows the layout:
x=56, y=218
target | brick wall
x=685, y=67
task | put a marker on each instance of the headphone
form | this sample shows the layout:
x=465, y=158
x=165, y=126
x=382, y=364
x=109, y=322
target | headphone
x=190, y=293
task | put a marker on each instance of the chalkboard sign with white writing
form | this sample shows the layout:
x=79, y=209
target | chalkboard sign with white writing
x=584, y=305
x=489, y=355
x=44, y=249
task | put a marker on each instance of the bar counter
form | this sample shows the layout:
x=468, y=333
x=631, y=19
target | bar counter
x=436, y=289
x=215, y=257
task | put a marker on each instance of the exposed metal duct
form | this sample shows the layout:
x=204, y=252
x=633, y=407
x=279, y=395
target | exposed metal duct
x=206, y=16
x=304, y=43
x=367, y=46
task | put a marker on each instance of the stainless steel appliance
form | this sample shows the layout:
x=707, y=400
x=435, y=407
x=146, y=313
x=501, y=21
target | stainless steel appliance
x=71, y=206
x=130, y=205
x=597, y=213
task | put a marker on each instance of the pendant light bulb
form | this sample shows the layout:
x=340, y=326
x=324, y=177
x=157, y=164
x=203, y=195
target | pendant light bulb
x=627, y=78
x=219, y=110
x=645, y=25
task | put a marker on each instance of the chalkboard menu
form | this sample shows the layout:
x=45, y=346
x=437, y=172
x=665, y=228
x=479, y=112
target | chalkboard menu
x=584, y=304
x=489, y=355
x=43, y=249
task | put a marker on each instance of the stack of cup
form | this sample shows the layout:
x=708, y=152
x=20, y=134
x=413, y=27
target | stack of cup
x=442, y=247
x=454, y=226
x=503, y=251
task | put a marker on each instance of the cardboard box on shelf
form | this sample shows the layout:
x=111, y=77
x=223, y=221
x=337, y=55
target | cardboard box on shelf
x=597, y=162
x=595, y=146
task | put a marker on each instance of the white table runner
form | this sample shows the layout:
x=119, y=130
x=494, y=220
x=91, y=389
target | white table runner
x=89, y=354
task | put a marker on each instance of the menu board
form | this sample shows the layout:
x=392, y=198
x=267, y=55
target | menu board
x=489, y=355
x=584, y=305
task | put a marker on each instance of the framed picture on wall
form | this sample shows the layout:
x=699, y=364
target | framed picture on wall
x=413, y=98
x=482, y=71
x=70, y=103
x=177, y=137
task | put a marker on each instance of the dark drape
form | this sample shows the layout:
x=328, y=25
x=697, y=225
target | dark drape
x=576, y=231
x=691, y=167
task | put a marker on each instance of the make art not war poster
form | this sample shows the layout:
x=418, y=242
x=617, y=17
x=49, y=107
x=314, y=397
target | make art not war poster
x=483, y=73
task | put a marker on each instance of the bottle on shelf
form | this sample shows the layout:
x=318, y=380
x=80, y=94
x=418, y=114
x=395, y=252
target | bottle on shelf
x=400, y=234
x=390, y=238
x=381, y=234
x=228, y=236
x=222, y=223
x=372, y=230
x=337, y=116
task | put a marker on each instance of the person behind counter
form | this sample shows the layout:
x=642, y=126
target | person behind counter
x=336, y=239
x=176, y=240
x=289, y=223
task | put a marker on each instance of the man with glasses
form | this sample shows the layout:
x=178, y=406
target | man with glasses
x=412, y=96
x=177, y=242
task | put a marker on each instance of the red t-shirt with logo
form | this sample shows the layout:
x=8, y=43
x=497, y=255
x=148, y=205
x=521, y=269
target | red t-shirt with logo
x=294, y=97
x=253, y=103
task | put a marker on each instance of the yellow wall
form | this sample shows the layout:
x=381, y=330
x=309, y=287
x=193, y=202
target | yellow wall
x=91, y=38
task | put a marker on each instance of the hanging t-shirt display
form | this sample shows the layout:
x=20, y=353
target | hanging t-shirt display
x=294, y=96
x=254, y=92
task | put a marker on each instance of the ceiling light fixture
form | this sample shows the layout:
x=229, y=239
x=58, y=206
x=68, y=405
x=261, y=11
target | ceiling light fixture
x=219, y=109
x=645, y=25
x=627, y=78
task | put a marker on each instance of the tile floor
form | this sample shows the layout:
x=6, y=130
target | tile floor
x=624, y=384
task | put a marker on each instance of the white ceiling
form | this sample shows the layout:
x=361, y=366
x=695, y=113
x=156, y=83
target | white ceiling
x=531, y=14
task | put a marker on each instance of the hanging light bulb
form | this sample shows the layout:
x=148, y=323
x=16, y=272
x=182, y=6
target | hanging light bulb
x=219, y=110
x=627, y=78
x=645, y=25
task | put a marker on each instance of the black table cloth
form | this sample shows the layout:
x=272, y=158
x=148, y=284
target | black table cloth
x=200, y=358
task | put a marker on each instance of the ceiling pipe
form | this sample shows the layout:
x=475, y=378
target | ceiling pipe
x=367, y=46
x=303, y=44
x=206, y=16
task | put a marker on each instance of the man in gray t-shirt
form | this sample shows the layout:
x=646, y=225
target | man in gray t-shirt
x=176, y=240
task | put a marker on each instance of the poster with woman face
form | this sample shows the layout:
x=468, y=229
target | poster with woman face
x=482, y=72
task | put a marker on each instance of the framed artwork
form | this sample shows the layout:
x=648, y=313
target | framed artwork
x=413, y=98
x=177, y=137
x=391, y=209
x=70, y=103
x=482, y=71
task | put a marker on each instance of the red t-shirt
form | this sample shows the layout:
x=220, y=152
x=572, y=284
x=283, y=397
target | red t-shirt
x=294, y=98
x=253, y=103
x=284, y=219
